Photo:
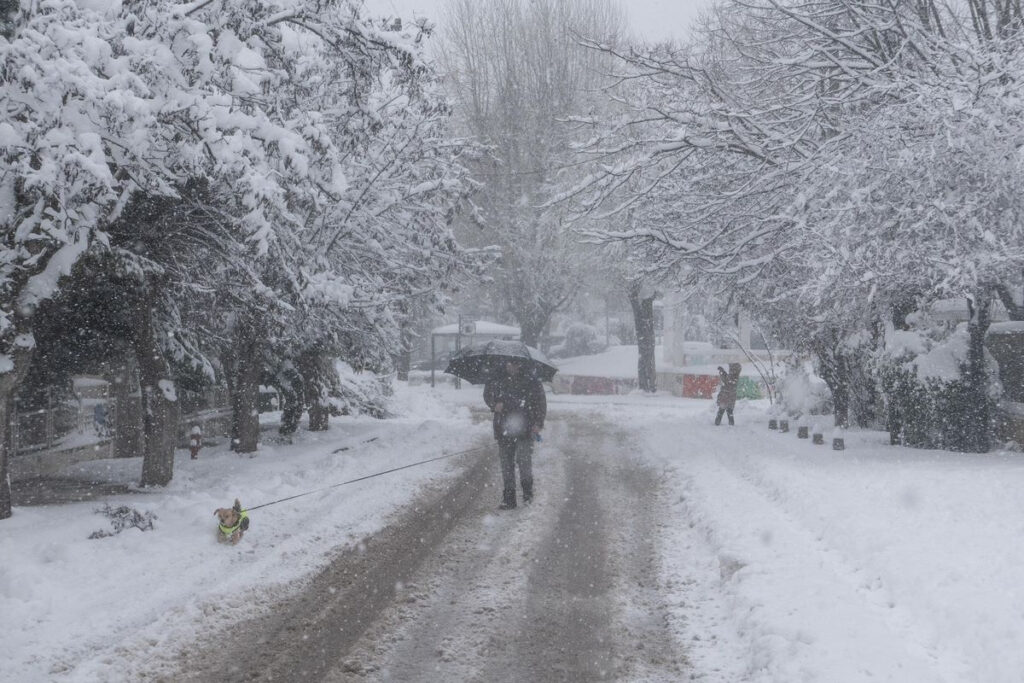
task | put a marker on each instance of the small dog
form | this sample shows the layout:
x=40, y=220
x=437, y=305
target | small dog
x=234, y=521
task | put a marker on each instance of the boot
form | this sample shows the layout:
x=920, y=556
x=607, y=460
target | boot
x=528, y=491
x=508, y=500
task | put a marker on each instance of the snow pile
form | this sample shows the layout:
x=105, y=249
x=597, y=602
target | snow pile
x=802, y=392
x=944, y=360
x=930, y=352
x=614, y=362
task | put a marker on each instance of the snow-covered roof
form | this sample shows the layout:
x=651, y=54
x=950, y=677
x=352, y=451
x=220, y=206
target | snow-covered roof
x=87, y=381
x=482, y=327
x=956, y=310
x=950, y=309
x=1009, y=327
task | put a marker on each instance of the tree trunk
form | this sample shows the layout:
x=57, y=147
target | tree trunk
x=836, y=373
x=245, y=414
x=128, y=438
x=319, y=417
x=643, y=320
x=292, y=398
x=10, y=382
x=1012, y=309
x=159, y=400
x=6, y=503
x=530, y=330
x=314, y=367
x=865, y=402
x=403, y=360
x=977, y=434
x=532, y=318
x=841, y=399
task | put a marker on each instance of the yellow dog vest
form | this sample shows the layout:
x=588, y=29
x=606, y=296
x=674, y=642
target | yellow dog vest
x=243, y=524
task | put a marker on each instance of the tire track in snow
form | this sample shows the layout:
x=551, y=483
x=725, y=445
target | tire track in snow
x=467, y=595
x=563, y=590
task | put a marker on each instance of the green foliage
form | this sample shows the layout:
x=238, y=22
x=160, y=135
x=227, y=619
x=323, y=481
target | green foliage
x=748, y=387
x=930, y=412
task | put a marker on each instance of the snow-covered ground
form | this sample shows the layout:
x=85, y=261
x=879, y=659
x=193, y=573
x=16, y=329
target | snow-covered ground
x=782, y=561
x=877, y=563
x=85, y=609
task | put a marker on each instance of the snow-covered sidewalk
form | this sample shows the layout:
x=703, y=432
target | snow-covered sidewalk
x=77, y=609
x=877, y=563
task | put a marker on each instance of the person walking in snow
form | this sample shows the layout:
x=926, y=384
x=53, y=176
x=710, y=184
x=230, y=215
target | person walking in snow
x=727, y=391
x=517, y=400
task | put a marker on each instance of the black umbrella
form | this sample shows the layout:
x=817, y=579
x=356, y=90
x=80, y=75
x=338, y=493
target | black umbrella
x=478, y=363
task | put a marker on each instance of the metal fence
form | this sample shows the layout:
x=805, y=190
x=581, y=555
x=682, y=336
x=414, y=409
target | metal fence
x=72, y=423
x=63, y=424
x=192, y=402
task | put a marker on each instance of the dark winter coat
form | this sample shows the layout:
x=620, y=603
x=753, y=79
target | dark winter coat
x=728, y=382
x=524, y=405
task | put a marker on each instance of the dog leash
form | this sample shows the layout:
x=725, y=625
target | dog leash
x=368, y=476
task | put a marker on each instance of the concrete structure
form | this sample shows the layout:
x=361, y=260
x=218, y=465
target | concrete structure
x=447, y=339
x=90, y=439
x=691, y=338
x=694, y=346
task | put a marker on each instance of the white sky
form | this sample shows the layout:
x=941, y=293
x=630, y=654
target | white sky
x=652, y=20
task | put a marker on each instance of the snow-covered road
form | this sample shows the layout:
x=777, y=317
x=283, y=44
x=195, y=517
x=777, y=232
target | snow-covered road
x=659, y=548
x=563, y=589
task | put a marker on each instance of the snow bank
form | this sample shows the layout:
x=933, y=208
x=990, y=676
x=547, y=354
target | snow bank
x=615, y=362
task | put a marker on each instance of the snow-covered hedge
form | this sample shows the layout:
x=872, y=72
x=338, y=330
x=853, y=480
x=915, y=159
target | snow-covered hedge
x=580, y=340
x=360, y=393
x=929, y=402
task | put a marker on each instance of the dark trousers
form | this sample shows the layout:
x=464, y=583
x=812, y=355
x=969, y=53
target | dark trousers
x=513, y=452
x=718, y=418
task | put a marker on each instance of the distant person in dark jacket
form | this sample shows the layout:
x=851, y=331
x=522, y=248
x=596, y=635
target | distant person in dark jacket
x=727, y=391
x=519, y=405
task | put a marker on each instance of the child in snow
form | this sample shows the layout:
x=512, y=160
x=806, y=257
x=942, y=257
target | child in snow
x=727, y=391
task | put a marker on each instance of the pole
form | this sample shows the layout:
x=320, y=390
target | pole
x=433, y=362
x=458, y=346
x=49, y=417
x=607, y=331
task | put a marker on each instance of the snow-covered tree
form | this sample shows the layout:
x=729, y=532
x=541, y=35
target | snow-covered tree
x=518, y=75
x=179, y=142
x=825, y=159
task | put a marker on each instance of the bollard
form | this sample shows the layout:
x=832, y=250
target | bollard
x=838, y=444
x=801, y=432
x=773, y=424
x=818, y=438
x=783, y=426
